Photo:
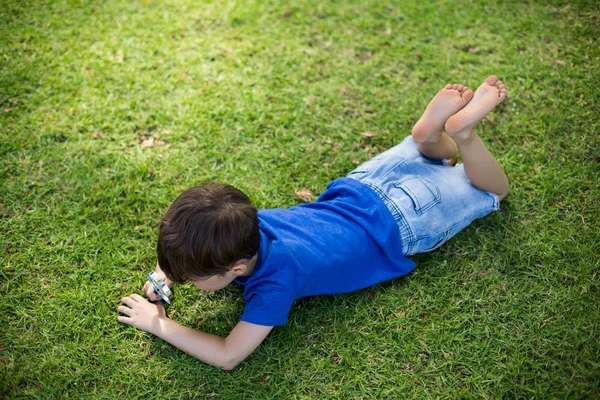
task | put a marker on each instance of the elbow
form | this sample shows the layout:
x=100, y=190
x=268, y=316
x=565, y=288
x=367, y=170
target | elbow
x=229, y=366
x=229, y=359
x=230, y=363
x=223, y=363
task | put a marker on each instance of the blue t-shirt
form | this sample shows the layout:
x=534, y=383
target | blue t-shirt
x=345, y=241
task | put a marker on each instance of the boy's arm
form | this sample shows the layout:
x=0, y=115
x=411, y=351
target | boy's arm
x=214, y=350
x=221, y=352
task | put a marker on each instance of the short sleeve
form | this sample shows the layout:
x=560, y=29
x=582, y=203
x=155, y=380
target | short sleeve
x=268, y=307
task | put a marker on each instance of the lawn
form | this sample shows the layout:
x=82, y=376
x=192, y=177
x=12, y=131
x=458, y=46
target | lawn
x=109, y=109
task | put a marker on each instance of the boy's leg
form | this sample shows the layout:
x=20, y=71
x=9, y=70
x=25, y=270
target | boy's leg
x=428, y=132
x=481, y=167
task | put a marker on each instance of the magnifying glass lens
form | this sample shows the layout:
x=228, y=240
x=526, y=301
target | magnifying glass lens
x=160, y=287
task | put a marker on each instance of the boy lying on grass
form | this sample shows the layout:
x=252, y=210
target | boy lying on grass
x=409, y=199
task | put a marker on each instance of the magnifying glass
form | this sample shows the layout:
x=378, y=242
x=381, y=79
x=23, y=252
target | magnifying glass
x=160, y=287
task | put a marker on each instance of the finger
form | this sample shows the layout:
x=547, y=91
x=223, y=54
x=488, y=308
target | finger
x=125, y=310
x=149, y=290
x=125, y=320
x=137, y=297
x=154, y=296
x=128, y=301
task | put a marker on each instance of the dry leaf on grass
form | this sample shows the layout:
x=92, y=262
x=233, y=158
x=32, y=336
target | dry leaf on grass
x=98, y=135
x=304, y=195
x=368, y=134
x=147, y=143
x=151, y=142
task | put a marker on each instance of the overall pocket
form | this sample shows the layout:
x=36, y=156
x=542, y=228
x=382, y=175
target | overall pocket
x=428, y=231
x=367, y=166
x=430, y=242
x=423, y=193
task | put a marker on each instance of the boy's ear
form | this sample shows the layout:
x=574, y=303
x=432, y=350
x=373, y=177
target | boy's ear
x=240, y=267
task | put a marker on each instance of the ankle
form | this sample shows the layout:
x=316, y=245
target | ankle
x=465, y=136
x=435, y=139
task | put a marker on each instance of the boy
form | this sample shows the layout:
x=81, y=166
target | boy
x=359, y=232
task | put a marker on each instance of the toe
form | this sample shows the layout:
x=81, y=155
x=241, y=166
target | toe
x=455, y=86
x=498, y=84
x=491, y=80
x=461, y=87
x=467, y=95
x=449, y=86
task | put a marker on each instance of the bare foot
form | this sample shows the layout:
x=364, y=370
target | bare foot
x=445, y=104
x=487, y=96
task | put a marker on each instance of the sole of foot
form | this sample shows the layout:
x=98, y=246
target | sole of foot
x=487, y=96
x=446, y=103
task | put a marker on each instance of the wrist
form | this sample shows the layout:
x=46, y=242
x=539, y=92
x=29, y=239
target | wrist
x=162, y=327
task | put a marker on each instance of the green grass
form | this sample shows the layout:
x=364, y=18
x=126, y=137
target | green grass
x=273, y=97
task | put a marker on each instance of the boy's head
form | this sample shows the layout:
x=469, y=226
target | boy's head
x=206, y=231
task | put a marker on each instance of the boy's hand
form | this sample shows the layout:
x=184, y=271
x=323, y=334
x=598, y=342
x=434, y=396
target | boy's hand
x=149, y=289
x=150, y=293
x=142, y=314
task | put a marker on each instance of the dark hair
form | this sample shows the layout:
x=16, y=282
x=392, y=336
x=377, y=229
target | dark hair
x=205, y=231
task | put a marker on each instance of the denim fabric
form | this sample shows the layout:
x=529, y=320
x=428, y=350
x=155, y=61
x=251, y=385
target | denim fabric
x=430, y=201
